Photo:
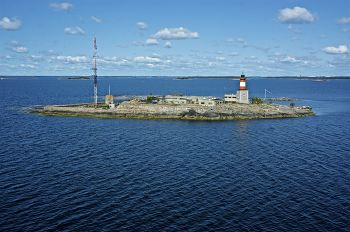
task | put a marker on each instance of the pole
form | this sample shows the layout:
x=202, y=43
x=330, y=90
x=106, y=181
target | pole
x=95, y=72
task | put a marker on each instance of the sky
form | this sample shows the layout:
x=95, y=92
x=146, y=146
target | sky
x=175, y=37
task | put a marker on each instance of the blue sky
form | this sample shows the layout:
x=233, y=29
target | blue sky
x=175, y=38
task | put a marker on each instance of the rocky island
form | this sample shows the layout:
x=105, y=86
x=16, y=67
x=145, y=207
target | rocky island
x=140, y=108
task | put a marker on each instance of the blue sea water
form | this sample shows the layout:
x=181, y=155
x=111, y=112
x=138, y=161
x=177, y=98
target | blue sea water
x=89, y=174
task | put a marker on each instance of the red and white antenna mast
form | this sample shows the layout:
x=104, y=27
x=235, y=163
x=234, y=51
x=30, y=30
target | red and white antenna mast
x=95, y=72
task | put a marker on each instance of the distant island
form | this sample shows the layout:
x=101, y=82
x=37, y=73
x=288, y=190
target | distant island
x=76, y=78
x=182, y=78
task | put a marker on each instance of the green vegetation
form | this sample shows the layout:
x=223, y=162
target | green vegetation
x=292, y=104
x=150, y=97
x=256, y=100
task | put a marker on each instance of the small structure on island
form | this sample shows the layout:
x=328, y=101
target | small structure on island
x=242, y=92
x=210, y=101
x=230, y=98
x=109, y=99
x=203, y=101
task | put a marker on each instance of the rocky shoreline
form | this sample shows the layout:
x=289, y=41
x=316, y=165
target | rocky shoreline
x=282, y=99
x=128, y=109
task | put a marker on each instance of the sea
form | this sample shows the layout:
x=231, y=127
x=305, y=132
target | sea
x=60, y=173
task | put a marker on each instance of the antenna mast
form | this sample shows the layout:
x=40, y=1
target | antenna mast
x=95, y=72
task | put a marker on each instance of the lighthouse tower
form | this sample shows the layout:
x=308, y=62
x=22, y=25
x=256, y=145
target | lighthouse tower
x=242, y=92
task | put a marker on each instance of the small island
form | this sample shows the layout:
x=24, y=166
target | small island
x=76, y=78
x=176, y=107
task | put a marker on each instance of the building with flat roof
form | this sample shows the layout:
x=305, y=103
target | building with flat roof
x=230, y=98
x=210, y=101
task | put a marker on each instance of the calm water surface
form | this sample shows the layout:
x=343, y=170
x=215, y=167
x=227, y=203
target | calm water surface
x=88, y=174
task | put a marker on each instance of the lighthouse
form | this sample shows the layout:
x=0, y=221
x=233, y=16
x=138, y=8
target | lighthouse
x=242, y=92
x=242, y=82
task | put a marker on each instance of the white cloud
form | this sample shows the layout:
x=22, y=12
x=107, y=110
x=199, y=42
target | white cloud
x=14, y=43
x=264, y=48
x=20, y=50
x=343, y=21
x=241, y=40
x=175, y=33
x=342, y=49
x=142, y=25
x=246, y=44
x=323, y=36
x=290, y=27
x=228, y=40
x=218, y=52
x=278, y=54
x=6, y=57
x=58, y=7
x=194, y=50
x=345, y=30
x=341, y=61
x=220, y=58
x=297, y=15
x=96, y=20
x=308, y=58
x=69, y=59
x=294, y=38
x=167, y=45
x=155, y=55
x=253, y=58
x=31, y=58
x=141, y=59
x=289, y=59
x=297, y=31
x=149, y=42
x=47, y=53
x=27, y=66
x=76, y=31
x=7, y=24
x=234, y=54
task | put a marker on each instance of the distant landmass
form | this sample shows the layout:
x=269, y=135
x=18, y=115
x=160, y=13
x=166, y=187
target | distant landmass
x=76, y=78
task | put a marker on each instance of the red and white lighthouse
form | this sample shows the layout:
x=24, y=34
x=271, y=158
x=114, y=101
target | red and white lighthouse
x=242, y=92
x=242, y=82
